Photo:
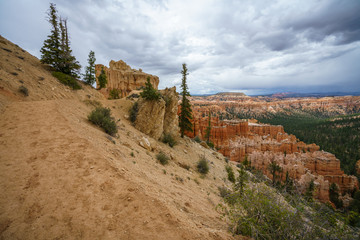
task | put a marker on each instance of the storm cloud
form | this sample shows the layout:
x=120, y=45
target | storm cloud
x=251, y=46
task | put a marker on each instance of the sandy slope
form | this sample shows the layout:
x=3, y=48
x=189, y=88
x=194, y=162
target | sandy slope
x=62, y=178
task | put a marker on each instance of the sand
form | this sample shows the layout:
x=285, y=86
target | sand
x=63, y=178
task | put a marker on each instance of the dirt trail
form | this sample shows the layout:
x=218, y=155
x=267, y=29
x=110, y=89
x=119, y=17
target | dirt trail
x=58, y=183
x=63, y=178
x=48, y=174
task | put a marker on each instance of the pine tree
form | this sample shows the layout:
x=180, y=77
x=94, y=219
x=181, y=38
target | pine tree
x=50, y=51
x=69, y=65
x=208, y=129
x=241, y=180
x=102, y=79
x=289, y=183
x=186, y=112
x=310, y=191
x=56, y=49
x=89, y=76
x=149, y=92
x=274, y=168
x=334, y=195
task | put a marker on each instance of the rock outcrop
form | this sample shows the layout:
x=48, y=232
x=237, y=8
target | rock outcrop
x=358, y=167
x=263, y=143
x=236, y=139
x=171, y=120
x=321, y=167
x=122, y=77
x=254, y=107
x=159, y=117
x=150, y=117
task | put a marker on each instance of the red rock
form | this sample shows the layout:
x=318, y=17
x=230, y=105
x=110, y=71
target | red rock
x=357, y=166
x=263, y=143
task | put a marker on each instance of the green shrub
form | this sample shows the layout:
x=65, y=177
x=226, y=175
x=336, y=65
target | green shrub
x=162, y=158
x=230, y=172
x=261, y=213
x=114, y=93
x=197, y=139
x=202, y=165
x=102, y=118
x=133, y=112
x=132, y=96
x=67, y=80
x=24, y=90
x=210, y=144
x=93, y=103
x=169, y=139
x=224, y=192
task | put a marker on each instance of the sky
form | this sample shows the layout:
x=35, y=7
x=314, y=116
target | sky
x=250, y=46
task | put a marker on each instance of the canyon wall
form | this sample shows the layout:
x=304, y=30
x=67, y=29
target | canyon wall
x=263, y=143
x=254, y=107
x=122, y=77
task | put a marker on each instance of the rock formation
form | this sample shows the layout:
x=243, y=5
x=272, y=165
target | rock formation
x=236, y=139
x=171, y=120
x=159, y=117
x=227, y=104
x=263, y=143
x=122, y=77
x=358, y=167
x=321, y=167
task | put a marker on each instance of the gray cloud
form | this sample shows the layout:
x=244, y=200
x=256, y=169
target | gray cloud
x=251, y=46
x=340, y=19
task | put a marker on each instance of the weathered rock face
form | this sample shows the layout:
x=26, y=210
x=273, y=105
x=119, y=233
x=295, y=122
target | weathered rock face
x=150, y=117
x=158, y=117
x=321, y=167
x=263, y=143
x=236, y=139
x=230, y=104
x=358, y=167
x=171, y=120
x=122, y=77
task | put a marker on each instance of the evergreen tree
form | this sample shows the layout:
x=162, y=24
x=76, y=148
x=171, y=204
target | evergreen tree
x=289, y=183
x=56, y=49
x=89, y=76
x=334, y=195
x=241, y=180
x=208, y=129
x=50, y=51
x=102, y=79
x=68, y=63
x=274, y=168
x=186, y=112
x=149, y=92
x=310, y=191
x=246, y=162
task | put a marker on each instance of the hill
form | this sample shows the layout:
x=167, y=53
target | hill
x=63, y=178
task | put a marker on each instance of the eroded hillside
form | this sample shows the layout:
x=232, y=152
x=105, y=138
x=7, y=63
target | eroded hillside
x=63, y=178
